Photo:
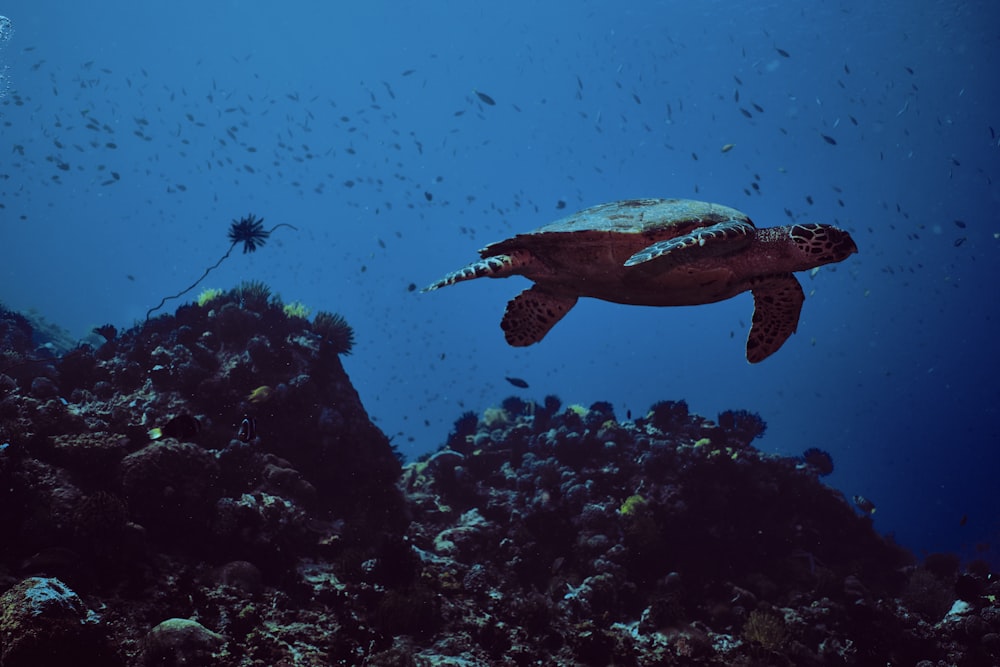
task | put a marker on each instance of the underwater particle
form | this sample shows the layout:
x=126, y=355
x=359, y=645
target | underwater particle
x=818, y=460
x=865, y=505
x=517, y=382
x=334, y=330
x=486, y=99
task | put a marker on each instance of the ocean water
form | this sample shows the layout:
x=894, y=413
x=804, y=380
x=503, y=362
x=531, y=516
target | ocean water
x=133, y=133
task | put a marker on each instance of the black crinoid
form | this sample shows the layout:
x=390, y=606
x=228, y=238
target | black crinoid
x=334, y=332
x=249, y=231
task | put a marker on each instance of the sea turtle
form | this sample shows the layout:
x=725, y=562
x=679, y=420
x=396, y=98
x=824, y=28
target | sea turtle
x=658, y=252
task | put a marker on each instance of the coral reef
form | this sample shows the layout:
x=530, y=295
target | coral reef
x=206, y=488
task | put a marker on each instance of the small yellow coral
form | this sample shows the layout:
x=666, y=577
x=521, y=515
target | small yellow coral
x=702, y=442
x=208, y=295
x=297, y=309
x=631, y=504
x=578, y=409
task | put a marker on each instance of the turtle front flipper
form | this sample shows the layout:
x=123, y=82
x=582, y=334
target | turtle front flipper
x=777, y=302
x=712, y=241
x=495, y=266
x=532, y=313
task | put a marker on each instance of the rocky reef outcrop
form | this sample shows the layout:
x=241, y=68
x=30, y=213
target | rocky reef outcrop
x=206, y=488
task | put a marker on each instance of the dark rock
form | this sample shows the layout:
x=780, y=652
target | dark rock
x=177, y=642
x=45, y=624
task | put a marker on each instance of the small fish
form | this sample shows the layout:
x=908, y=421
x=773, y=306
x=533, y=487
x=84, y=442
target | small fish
x=783, y=53
x=865, y=505
x=247, y=430
x=828, y=139
x=560, y=205
x=728, y=147
x=486, y=99
x=260, y=394
x=517, y=382
x=182, y=427
x=960, y=224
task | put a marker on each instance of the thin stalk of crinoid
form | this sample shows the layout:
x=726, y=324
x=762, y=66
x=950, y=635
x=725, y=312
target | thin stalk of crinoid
x=249, y=231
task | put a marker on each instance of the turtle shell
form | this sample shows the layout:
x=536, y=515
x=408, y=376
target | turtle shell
x=627, y=226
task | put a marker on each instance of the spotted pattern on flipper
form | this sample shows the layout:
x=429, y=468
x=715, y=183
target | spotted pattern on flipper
x=531, y=314
x=777, y=302
x=712, y=241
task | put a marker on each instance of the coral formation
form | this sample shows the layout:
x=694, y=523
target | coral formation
x=271, y=523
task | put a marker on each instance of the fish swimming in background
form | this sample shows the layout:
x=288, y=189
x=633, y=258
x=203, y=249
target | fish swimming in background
x=247, y=430
x=182, y=427
x=517, y=382
x=486, y=99
x=865, y=505
x=260, y=394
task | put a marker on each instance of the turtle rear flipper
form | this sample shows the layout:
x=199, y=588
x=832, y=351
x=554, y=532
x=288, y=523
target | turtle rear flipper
x=712, y=241
x=532, y=313
x=777, y=302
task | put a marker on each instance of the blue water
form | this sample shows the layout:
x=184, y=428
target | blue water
x=203, y=112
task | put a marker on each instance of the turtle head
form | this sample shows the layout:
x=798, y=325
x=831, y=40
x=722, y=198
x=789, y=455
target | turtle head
x=821, y=244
